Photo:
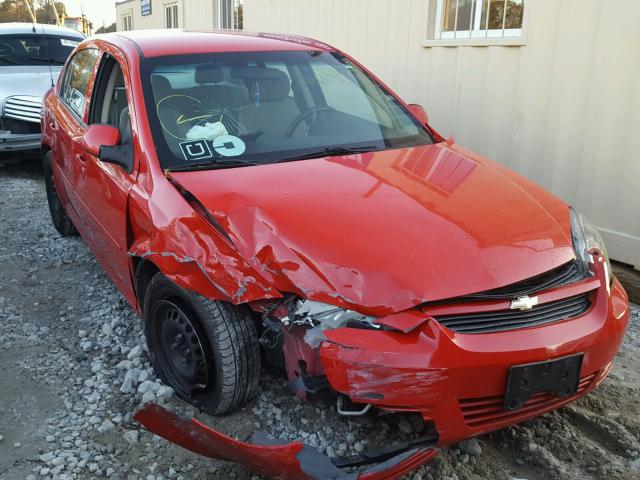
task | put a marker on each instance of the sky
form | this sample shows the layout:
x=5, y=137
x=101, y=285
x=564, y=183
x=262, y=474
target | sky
x=97, y=11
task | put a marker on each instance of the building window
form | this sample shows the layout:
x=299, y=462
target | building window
x=127, y=23
x=171, y=15
x=478, y=19
x=230, y=14
x=145, y=8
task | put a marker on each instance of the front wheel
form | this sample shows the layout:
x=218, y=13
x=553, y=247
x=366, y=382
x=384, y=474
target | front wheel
x=206, y=350
x=59, y=216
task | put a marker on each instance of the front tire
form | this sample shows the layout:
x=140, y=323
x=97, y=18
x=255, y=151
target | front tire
x=59, y=216
x=206, y=350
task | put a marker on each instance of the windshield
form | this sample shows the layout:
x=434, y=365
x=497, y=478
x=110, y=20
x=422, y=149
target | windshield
x=36, y=49
x=235, y=109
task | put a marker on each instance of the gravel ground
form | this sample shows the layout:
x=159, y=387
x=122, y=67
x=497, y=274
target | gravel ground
x=74, y=368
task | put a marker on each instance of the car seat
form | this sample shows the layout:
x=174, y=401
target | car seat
x=271, y=110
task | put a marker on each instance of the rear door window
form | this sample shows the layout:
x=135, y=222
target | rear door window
x=75, y=85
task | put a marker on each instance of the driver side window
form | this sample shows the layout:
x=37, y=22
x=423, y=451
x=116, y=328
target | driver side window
x=109, y=104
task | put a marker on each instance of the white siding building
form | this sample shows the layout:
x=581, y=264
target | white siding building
x=549, y=88
x=188, y=14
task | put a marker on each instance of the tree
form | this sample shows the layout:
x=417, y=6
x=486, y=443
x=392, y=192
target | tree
x=16, y=11
x=45, y=12
x=107, y=29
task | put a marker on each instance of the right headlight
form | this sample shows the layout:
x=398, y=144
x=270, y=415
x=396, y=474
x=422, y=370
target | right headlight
x=585, y=237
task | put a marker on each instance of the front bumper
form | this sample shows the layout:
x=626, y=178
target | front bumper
x=458, y=380
x=11, y=142
x=272, y=458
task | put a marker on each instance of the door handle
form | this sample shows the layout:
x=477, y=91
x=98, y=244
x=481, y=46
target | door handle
x=80, y=157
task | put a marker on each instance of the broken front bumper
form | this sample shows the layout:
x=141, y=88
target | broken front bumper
x=458, y=381
x=10, y=142
x=455, y=381
x=271, y=458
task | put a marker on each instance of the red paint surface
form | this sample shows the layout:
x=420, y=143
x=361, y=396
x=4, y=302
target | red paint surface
x=300, y=358
x=384, y=231
x=379, y=232
x=431, y=369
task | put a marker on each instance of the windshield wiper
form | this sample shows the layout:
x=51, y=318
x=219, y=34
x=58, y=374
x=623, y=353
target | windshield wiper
x=329, y=152
x=243, y=162
x=52, y=61
x=216, y=164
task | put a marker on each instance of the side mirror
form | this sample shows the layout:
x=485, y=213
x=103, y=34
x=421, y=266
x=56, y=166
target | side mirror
x=103, y=141
x=98, y=136
x=119, y=155
x=419, y=112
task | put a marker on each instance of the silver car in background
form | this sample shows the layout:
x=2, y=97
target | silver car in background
x=31, y=58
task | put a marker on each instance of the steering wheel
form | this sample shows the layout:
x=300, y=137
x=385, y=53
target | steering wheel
x=303, y=116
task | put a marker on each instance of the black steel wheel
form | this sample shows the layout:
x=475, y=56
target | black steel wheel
x=184, y=352
x=206, y=350
x=59, y=217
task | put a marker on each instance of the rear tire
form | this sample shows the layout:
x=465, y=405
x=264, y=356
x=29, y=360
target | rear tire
x=206, y=350
x=59, y=216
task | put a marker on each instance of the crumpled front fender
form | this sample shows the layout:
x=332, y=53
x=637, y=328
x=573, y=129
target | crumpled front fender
x=271, y=458
x=170, y=229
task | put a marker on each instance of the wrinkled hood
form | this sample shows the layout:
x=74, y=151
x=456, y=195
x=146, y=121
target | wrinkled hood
x=26, y=80
x=385, y=231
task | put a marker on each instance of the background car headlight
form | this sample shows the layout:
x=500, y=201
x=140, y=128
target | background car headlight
x=586, y=237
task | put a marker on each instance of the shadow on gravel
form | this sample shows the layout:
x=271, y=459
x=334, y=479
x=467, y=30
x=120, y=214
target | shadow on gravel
x=20, y=168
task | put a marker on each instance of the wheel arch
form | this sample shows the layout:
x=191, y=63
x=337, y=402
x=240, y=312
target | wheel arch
x=143, y=270
x=44, y=149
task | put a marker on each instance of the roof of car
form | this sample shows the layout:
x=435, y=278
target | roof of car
x=21, y=28
x=153, y=43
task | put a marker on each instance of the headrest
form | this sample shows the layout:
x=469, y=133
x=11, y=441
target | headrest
x=124, y=125
x=208, y=73
x=161, y=86
x=269, y=83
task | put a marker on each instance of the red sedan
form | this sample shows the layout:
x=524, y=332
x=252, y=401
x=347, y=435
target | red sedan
x=266, y=200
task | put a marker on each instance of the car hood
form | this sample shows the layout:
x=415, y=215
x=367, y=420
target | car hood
x=385, y=231
x=26, y=80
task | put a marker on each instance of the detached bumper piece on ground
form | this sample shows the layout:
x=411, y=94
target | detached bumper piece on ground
x=286, y=461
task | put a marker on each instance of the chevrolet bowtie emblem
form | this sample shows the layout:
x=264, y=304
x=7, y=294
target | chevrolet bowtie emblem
x=523, y=303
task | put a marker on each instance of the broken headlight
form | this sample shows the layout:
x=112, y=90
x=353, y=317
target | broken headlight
x=586, y=238
x=318, y=317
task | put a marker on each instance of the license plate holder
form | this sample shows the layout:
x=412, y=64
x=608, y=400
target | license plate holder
x=560, y=377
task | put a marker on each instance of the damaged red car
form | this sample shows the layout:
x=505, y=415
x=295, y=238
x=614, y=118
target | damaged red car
x=266, y=201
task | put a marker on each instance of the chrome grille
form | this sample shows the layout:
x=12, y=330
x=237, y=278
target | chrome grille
x=23, y=107
x=496, y=321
